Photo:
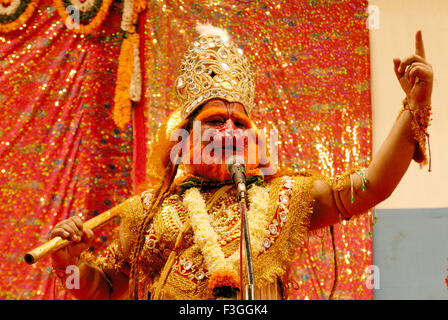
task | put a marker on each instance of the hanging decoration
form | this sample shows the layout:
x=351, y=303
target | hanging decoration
x=15, y=13
x=90, y=16
x=61, y=153
x=122, y=102
x=129, y=80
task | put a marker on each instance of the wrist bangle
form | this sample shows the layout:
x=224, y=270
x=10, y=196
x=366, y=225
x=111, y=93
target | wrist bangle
x=420, y=120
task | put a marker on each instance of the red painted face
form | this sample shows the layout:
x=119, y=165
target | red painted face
x=224, y=132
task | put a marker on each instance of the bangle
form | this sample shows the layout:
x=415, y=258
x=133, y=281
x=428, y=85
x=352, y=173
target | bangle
x=419, y=125
x=344, y=182
x=363, y=177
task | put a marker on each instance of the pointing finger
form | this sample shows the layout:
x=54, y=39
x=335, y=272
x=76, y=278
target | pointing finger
x=419, y=47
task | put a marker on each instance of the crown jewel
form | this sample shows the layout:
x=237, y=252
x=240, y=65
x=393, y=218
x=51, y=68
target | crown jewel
x=214, y=68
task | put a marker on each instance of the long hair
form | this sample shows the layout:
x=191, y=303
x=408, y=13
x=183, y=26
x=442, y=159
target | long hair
x=162, y=190
x=160, y=193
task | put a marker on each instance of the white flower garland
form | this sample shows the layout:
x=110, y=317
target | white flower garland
x=83, y=6
x=135, y=88
x=126, y=18
x=207, y=239
x=9, y=9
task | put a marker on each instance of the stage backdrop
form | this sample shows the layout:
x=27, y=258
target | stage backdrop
x=62, y=155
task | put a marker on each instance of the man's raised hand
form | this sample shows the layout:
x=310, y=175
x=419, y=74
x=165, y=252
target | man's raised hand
x=415, y=75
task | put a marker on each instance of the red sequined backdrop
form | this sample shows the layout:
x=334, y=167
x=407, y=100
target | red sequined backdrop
x=62, y=154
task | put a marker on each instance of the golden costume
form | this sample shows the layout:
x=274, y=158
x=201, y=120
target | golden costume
x=181, y=239
x=289, y=209
x=163, y=247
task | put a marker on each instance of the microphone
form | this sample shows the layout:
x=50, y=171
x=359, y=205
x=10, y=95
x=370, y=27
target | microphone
x=236, y=167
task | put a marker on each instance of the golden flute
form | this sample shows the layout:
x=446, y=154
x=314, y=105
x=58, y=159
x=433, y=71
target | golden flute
x=58, y=243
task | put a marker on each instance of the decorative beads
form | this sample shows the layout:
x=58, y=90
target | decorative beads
x=281, y=215
x=146, y=198
x=191, y=271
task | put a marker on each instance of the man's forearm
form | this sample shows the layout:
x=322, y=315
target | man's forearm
x=386, y=169
x=357, y=195
x=393, y=158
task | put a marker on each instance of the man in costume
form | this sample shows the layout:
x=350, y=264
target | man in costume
x=180, y=239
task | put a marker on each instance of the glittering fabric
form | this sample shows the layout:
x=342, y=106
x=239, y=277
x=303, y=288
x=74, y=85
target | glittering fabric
x=311, y=63
x=60, y=152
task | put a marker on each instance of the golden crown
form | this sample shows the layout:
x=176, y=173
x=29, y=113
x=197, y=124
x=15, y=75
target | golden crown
x=214, y=68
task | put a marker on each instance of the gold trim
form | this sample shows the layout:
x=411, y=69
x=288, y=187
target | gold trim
x=273, y=263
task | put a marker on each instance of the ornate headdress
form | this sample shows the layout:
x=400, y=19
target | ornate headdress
x=214, y=68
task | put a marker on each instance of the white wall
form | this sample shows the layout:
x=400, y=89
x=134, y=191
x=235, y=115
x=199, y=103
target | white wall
x=399, y=20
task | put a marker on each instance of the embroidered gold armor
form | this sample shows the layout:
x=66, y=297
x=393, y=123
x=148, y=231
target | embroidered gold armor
x=289, y=212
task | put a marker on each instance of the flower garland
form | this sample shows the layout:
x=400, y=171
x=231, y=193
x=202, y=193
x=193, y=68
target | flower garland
x=91, y=13
x=135, y=87
x=129, y=79
x=224, y=270
x=15, y=13
x=126, y=17
x=11, y=8
x=122, y=104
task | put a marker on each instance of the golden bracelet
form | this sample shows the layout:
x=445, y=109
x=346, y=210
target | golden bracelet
x=419, y=125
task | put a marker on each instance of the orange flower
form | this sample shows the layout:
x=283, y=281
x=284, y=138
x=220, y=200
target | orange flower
x=122, y=103
x=224, y=278
x=139, y=6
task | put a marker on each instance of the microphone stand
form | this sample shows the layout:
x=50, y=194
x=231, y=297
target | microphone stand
x=250, y=287
x=237, y=170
